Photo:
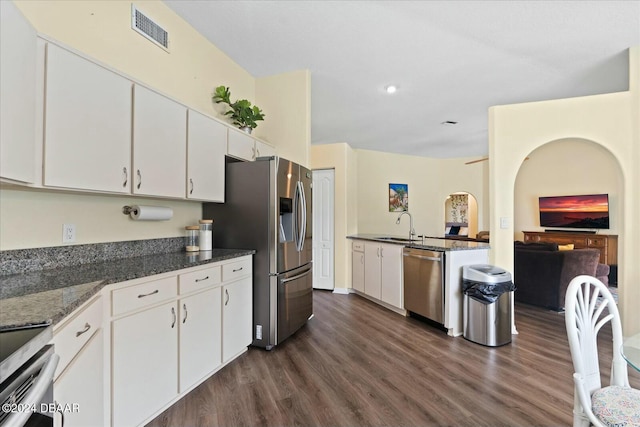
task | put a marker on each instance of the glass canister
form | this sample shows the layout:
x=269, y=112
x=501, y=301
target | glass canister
x=206, y=234
x=191, y=238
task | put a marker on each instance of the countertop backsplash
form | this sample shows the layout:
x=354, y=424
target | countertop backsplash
x=29, y=260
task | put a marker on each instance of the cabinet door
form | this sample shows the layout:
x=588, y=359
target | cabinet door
x=200, y=336
x=81, y=385
x=207, y=146
x=17, y=95
x=237, y=317
x=159, y=145
x=241, y=145
x=357, y=271
x=372, y=279
x=263, y=149
x=144, y=363
x=88, y=125
x=392, y=279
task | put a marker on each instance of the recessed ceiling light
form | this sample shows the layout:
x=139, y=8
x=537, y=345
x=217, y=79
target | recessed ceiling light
x=391, y=88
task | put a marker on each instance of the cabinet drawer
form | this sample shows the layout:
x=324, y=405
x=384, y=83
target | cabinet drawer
x=597, y=242
x=71, y=336
x=358, y=246
x=236, y=270
x=143, y=295
x=196, y=280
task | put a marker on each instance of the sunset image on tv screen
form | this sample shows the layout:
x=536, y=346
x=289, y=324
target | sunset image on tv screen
x=588, y=211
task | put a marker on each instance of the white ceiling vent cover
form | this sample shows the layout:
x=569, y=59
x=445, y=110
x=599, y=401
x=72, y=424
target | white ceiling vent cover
x=145, y=26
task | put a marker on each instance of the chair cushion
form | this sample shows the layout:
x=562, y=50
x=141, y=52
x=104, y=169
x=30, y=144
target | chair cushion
x=617, y=406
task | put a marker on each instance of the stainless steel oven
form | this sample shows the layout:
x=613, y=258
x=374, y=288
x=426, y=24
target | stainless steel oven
x=26, y=372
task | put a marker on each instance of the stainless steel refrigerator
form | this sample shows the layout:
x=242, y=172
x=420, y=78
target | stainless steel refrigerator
x=268, y=208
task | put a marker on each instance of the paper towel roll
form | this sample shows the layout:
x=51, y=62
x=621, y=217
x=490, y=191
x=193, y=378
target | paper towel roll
x=150, y=213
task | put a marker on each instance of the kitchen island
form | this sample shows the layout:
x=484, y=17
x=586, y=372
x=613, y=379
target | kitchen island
x=377, y=271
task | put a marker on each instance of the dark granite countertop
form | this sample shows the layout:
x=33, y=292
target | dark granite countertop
x=47, y=296
x=429, y=243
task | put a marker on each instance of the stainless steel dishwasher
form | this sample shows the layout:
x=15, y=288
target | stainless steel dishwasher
x=424, y=283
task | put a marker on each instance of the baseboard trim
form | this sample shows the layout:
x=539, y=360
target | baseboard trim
x=342, y=291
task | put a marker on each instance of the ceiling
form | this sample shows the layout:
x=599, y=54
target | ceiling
x=451, y=61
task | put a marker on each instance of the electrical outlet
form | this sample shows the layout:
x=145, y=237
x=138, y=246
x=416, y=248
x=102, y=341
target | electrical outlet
x=258, y=332
x=68, y=233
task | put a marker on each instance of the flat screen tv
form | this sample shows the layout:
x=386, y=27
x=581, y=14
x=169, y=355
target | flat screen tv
x=586, y=211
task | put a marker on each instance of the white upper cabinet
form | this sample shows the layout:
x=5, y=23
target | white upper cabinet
x=159, y=145
x=244, y=146
x=241, y=145
x=87, y=134
x=206, y=148
x=17, y=95
x=263, y=149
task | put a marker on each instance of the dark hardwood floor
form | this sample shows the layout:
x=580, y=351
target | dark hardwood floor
x=358, y=364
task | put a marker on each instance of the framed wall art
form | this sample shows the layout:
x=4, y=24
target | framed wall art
x=398, y=197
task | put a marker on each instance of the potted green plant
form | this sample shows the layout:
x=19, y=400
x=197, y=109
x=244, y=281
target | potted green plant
x=242, y=113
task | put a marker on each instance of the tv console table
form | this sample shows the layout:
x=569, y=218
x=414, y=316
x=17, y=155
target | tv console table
x=607, y=243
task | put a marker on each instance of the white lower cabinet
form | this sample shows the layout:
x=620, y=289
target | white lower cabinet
x=357, y=266
x=237, y=317
x=81, y=386
x=200, y=336
x=383, y=277
x=144, y=363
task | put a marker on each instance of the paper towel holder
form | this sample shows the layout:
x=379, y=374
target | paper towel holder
x=127, y=210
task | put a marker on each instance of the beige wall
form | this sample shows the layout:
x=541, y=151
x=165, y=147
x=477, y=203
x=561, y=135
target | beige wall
x=189, y=72
x=563, y=168
x=430, y=181
x=610, y=120
x=286, y=102
x=342, y=159
x=34, y=218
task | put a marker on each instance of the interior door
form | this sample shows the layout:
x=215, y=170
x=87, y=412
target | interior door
x=323, y=229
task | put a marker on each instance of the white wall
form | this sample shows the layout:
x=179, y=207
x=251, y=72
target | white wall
x=610, y=120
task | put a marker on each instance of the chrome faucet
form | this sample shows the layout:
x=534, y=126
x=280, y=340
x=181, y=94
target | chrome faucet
x=412, y=231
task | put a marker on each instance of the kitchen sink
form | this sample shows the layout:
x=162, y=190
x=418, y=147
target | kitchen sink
x=397, y=239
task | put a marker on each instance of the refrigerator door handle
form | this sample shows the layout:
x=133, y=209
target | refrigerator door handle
x=303, y=207
x=296, y=225
x=291, y=279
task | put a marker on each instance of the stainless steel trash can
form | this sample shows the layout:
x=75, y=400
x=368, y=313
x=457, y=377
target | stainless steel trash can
x=486, y=304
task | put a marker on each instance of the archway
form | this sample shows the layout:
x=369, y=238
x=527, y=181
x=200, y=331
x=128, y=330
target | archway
x=461, y=214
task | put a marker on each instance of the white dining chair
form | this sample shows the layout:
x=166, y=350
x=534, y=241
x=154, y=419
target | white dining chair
x=586, y=301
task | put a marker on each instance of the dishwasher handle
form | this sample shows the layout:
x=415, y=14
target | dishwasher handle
x=430, y=258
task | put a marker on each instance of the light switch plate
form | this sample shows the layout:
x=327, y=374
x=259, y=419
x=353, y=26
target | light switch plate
x=504, y=222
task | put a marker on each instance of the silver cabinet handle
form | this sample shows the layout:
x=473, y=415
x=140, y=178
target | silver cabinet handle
x=381, y=252
x=237, y=269
x=378, y=252
x=86, y=329
x=253, y=153
x=257, y=153
x=184, y=306
x=150, y=293
x=361, y=259
x=173, y=313
x=191, y=183
x=200, y=280
x=226, y=292
x=126, y=177
x=139, y=179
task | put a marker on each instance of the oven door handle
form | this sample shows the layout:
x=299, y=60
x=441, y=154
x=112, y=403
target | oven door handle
x=35, y=395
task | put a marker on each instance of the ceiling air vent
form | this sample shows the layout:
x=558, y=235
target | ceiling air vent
x=145, y=26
